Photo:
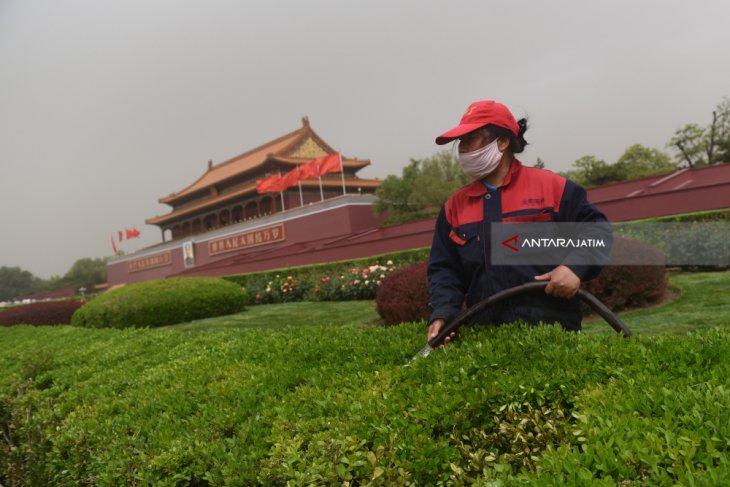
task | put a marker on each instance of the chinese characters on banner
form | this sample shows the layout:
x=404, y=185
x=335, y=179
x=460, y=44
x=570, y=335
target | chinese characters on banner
x=247, y=239
x=150, y=262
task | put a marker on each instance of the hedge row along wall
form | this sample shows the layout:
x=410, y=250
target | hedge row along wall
x=44, y=313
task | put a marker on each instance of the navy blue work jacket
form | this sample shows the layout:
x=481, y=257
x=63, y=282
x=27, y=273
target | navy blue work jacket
x=459, y=271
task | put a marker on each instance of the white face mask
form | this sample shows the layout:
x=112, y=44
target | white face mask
x=479, y=163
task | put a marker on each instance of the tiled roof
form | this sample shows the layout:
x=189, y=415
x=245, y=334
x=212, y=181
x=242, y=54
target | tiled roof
x=250, y=189
x=299, y=145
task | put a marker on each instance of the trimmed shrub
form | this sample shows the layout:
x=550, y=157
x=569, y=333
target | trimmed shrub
x=45, y=313
x=698, y=216
x=677, y=240
x=403, y=295
x=642, y=282
x=162, y=302
x=503, y=406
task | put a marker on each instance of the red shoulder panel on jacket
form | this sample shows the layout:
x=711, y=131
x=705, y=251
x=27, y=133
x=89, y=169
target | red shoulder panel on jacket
x=533, y=188
x=465, y=206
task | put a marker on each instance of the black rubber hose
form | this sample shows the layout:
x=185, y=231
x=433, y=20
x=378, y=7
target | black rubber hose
x=592, y=301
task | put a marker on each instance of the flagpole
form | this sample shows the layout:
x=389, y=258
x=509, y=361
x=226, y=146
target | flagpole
x=299, y=182
x=321, y=192
x=281, y=193
x=342, y=171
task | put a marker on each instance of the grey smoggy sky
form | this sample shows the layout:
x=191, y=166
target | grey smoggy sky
x=106, y=106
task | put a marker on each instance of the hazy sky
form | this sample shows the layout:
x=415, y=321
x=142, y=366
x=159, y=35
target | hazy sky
x=105, y=106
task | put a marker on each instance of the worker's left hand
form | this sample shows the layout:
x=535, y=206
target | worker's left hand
x=563, y=282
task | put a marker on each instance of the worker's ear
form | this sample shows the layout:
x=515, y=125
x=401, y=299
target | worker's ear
x=502, y=144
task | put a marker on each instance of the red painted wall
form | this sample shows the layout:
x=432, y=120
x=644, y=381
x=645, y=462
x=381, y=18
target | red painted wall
x=330, y=224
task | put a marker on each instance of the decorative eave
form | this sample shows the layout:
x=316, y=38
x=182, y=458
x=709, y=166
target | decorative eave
x=290, y=149
x=292, y=162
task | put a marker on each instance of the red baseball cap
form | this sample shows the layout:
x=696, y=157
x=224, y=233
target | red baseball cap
x=479, y=114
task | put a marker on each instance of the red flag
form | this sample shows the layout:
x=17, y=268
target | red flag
x=329, y=164
x=290, y=179
x=114, y=246
x=268, y=185
x=310, y=170
x=318, y=167
x=120, y=234
x=134, y=233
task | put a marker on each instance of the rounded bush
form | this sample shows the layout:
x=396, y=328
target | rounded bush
x=45, y=313
x=162, y=302
x=403, y=295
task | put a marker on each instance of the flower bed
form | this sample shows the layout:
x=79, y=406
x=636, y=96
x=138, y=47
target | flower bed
x=355, y=283
x=334, y=281
x=345, y=284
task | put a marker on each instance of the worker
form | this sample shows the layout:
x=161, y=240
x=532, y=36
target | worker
x=504, y=190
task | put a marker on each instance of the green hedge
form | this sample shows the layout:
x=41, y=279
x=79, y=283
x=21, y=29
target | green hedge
x=697, y=241
x=698, y=216
x=332, y=281
x=504, y=406
x=162, y=302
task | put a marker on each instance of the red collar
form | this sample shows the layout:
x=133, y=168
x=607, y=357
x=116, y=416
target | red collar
x=477, y=187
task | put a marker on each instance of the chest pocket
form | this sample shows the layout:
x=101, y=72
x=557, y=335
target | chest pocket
x=469, y=244
x=545, y=215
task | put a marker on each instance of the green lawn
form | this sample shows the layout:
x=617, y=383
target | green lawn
x=306, y=313
x=703, y=302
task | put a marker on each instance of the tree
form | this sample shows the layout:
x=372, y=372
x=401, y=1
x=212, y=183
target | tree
x=638, y=161
x=700, y=146
x=690, y=141
x=722, y=135
x=424, y=186
x=15, y=282
x=394, y=192
x=439, y=176
x=85, y=273
x=590, y=171
x=540, y=164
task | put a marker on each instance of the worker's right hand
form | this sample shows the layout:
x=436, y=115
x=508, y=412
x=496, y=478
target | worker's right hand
x=435, y=327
